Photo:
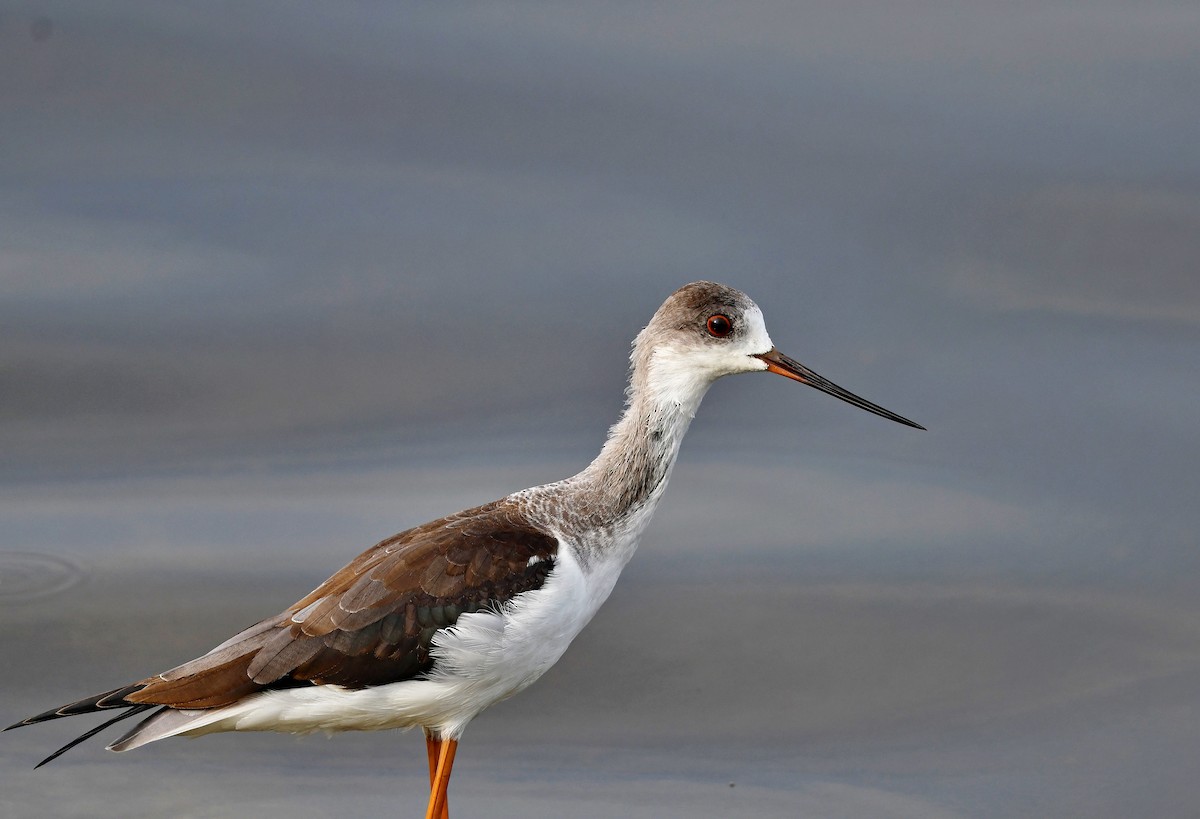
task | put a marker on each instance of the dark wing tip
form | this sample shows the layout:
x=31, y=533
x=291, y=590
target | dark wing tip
x=53, y=713
x=136, y=709
x=88, y=705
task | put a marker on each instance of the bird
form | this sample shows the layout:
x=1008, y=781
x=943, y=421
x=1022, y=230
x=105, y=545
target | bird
x=431, y=626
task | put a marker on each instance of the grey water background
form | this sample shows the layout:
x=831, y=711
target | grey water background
x=280, y=279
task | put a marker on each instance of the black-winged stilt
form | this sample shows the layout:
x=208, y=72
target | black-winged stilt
x=433, y=625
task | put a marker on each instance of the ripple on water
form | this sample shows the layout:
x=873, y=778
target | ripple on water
x=28, y=576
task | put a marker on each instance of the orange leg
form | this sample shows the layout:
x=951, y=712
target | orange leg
x=438, y=807
x=433, y=748
x=433, y=751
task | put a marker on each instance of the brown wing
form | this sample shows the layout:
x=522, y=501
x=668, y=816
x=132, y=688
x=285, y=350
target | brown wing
x=373, y=621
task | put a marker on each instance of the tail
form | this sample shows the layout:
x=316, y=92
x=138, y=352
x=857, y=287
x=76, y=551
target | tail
x=109, y=700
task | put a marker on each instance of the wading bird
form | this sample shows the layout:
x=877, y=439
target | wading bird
x=433, y=625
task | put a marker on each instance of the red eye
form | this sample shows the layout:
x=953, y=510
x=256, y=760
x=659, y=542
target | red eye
x=719, y=326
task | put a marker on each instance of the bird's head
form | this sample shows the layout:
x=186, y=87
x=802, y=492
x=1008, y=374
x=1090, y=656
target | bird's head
x=706, y=330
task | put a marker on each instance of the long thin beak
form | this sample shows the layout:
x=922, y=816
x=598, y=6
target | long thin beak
x=780, y=364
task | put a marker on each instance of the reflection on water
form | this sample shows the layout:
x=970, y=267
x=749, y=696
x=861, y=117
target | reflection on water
x=25, y=576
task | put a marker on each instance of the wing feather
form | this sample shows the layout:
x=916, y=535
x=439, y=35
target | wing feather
x=374, y=621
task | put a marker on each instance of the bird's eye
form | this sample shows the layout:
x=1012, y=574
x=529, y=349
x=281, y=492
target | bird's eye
x=719, y=326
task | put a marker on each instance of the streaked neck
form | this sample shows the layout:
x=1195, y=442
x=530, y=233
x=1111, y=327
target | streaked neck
x=633, y=467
